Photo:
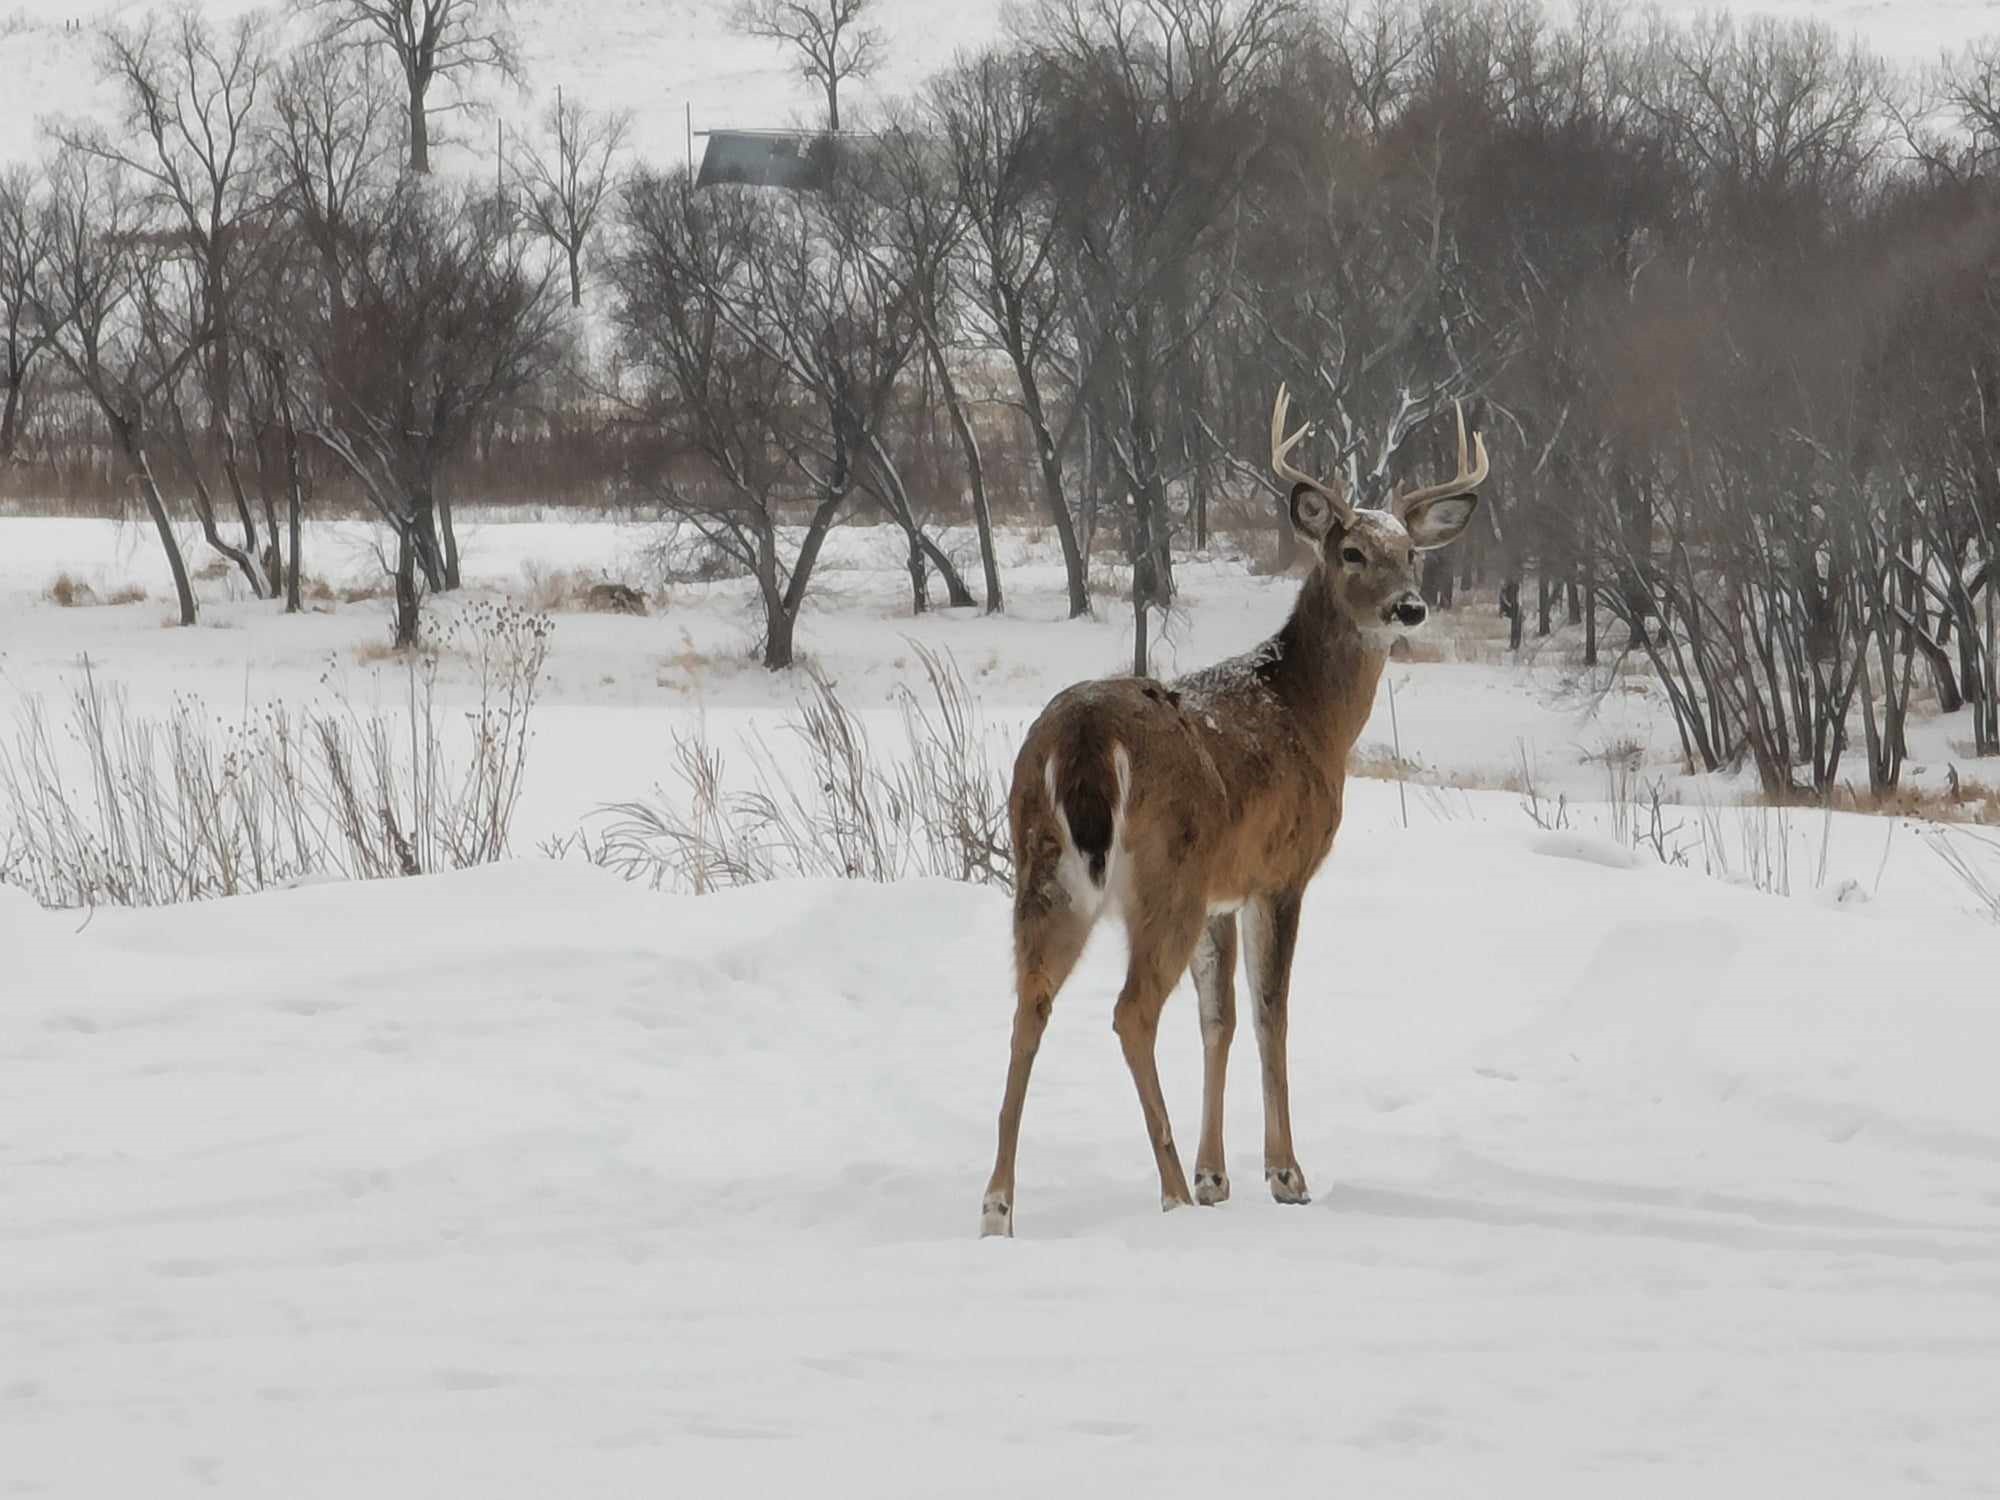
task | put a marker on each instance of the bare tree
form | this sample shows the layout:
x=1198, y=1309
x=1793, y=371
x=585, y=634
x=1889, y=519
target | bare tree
x=1162, y=114
x=564, y=183
x=1002, y=150
x=926, y=224
x=24, y=248
x=431, y=40
x=830, y=39
x=93, y=299
x=734, y=446
x=446, y=322
x=189, y=98
x=330, y=148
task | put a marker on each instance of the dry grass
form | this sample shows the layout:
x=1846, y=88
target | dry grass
x=579, y=590
x=1376, y=761
x=1472, y=630
x=67, y=591
x=184, y=806
x=1958, y=801
x=937, y=806
x=375, y=653
x=1110, y=581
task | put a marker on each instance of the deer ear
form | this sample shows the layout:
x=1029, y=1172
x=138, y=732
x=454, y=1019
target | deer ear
x=1438, y=523
x=1312, y=513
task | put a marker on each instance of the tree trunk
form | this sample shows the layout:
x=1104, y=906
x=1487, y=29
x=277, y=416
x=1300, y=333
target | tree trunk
x=1440, y=581
x=920, y=592
x=921, y=546
x=1634, y=521
x=575, y=253
x=1950, y=700
x=1589, y=592
x=10, y=419
x=407, y=616
x=204, y=507
x=294, y=479
x=295, y=486
x=420, y=134
x=425, y=534
x=975, y=470
x=157, y=509
x=450, y=535
x=1140, y=665
x=1048, y=461
x=233, y=472
x=1544, y=600
x=780, y=626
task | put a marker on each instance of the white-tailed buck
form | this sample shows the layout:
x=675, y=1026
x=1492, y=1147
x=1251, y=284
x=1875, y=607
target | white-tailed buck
x=1201, y=809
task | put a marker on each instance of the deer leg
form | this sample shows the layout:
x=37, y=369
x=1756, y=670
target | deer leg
x=1160, y=953
x=1046, y=945
x=1214, y=970
x=1270, y=937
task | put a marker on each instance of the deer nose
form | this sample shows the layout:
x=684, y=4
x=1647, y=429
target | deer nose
x=1411, y=611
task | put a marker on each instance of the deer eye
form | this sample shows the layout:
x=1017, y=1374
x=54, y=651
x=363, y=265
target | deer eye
x=1352, y=555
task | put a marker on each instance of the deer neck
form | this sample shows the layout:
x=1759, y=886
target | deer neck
x=1326, y=672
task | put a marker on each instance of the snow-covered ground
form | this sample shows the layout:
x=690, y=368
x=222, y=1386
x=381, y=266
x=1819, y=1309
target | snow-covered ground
x=619, y=689
x=526, y=1182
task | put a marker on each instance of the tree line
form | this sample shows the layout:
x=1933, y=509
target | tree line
x=1722, y=295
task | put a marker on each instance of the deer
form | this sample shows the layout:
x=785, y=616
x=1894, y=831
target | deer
x=1197, y=812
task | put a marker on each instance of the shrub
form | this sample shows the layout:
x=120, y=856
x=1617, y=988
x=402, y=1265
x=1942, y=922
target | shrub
x=183, y=806
x=937, y=806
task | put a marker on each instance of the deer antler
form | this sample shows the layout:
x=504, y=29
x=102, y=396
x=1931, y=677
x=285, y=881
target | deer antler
x=1336, y=493
x=1469, y=477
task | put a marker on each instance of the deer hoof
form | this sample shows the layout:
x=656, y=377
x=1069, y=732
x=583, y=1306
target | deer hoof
x=1210, y=1188
x=996, y=1218
x=1288, y=1184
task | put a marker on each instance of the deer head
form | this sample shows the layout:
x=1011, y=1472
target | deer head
x=1369, y=559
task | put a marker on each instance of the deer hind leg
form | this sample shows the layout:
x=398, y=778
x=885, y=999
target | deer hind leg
x=1214, y=970
x=1270, y=937
x=1161, y=948
x=1047, y=940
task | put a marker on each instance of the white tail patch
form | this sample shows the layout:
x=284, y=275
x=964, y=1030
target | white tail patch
x=1086, y=896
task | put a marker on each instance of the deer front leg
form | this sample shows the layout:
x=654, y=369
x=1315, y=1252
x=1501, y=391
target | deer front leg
x=1270, y=937
x=1214, y=970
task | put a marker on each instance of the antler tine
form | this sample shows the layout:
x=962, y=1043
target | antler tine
x=1472, y=471
x=1281, y=447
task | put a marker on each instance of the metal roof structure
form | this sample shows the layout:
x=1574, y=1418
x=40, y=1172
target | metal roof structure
x=796, y=159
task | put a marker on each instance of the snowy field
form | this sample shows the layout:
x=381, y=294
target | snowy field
x=1628, y=1181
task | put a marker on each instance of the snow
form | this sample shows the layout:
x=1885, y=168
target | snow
x=524, y=1181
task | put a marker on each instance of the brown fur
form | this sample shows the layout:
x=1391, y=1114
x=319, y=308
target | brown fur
x=1232, y=801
